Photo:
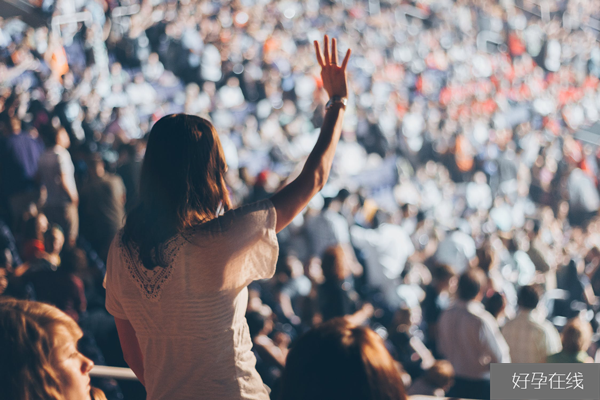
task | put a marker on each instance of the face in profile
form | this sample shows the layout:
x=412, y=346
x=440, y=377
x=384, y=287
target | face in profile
x=72, y=368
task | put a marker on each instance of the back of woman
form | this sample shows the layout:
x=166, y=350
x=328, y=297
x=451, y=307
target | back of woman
x=190, y=311
x=177, y=274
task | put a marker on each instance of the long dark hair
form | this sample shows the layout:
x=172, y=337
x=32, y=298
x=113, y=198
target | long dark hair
x=182, y=184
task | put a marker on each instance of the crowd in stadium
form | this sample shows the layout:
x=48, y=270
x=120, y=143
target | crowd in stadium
x=460, y=220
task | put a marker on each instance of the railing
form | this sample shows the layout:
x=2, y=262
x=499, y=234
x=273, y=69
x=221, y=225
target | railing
x=102, y=371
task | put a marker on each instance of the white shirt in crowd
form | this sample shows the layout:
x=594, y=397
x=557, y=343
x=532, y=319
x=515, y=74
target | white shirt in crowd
x=326, y=229
x=469, y=337
x=479, y=196
x=189, y=318
x=386, y=251
x=531, y=338
x=456, y=251
x=583, y=195
x=55, y=163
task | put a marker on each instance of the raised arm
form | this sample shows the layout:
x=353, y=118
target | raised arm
x=290, y=200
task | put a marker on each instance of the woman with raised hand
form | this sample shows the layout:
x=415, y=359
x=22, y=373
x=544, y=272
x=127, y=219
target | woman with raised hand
x=177, y=274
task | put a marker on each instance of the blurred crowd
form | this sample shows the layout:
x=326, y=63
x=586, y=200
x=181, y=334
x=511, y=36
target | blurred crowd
x=461, y=157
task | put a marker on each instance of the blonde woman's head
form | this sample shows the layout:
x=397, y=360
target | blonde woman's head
x=39, y=358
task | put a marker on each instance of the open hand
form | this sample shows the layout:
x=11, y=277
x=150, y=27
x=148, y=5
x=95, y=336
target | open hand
x=334, y=76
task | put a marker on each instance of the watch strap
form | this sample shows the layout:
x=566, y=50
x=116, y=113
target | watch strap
x=336, y=99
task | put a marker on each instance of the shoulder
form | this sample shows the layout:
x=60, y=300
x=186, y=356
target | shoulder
x=521, y=323
x=510, y=325
x=62, y=153
x=476, y=315
x=536, y=326
x=112, y=181
x=488, y=320
x=250, y=216
x=263, y=205
x=335, y=218
x=549, y=329
x=114, y=178
x=451, y=313
x=115, y=248
x=49, y=155
x=115, y=259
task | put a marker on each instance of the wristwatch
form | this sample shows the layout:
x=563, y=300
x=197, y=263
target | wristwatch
x=336, y=99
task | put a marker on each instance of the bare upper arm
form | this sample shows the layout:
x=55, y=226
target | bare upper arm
x=292, y=199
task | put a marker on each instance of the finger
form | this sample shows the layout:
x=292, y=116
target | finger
x=345, y=62
x=334, y=55
x=326, y=46
x=319, y=55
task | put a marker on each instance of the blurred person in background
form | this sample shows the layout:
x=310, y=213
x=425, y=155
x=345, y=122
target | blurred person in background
x=329, y=228
x=340, y=360
x=59, y=287
x=584, y=200
x=8, y=245
x=19, y=155
x=437, y=298
x=102, y=206
x=292, y=288
x=337, y=294
x=57, y=175
x=438, y=379
x=496, y=305
x=468, y=334
x=406, y=342
x=48, y=261
x=33, y=237
x=386, y=247
x=578, y=287
x=129, y=169
x=270, y=357
x=576, y=338
x=529, y=335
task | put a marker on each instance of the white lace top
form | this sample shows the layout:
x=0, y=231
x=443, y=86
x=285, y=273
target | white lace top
x=189, y=318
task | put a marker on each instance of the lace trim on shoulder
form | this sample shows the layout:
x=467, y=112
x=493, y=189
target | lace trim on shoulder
x=151, y=282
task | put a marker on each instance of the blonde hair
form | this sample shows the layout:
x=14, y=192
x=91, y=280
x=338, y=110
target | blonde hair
x=98, y=394
x=28, y=336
